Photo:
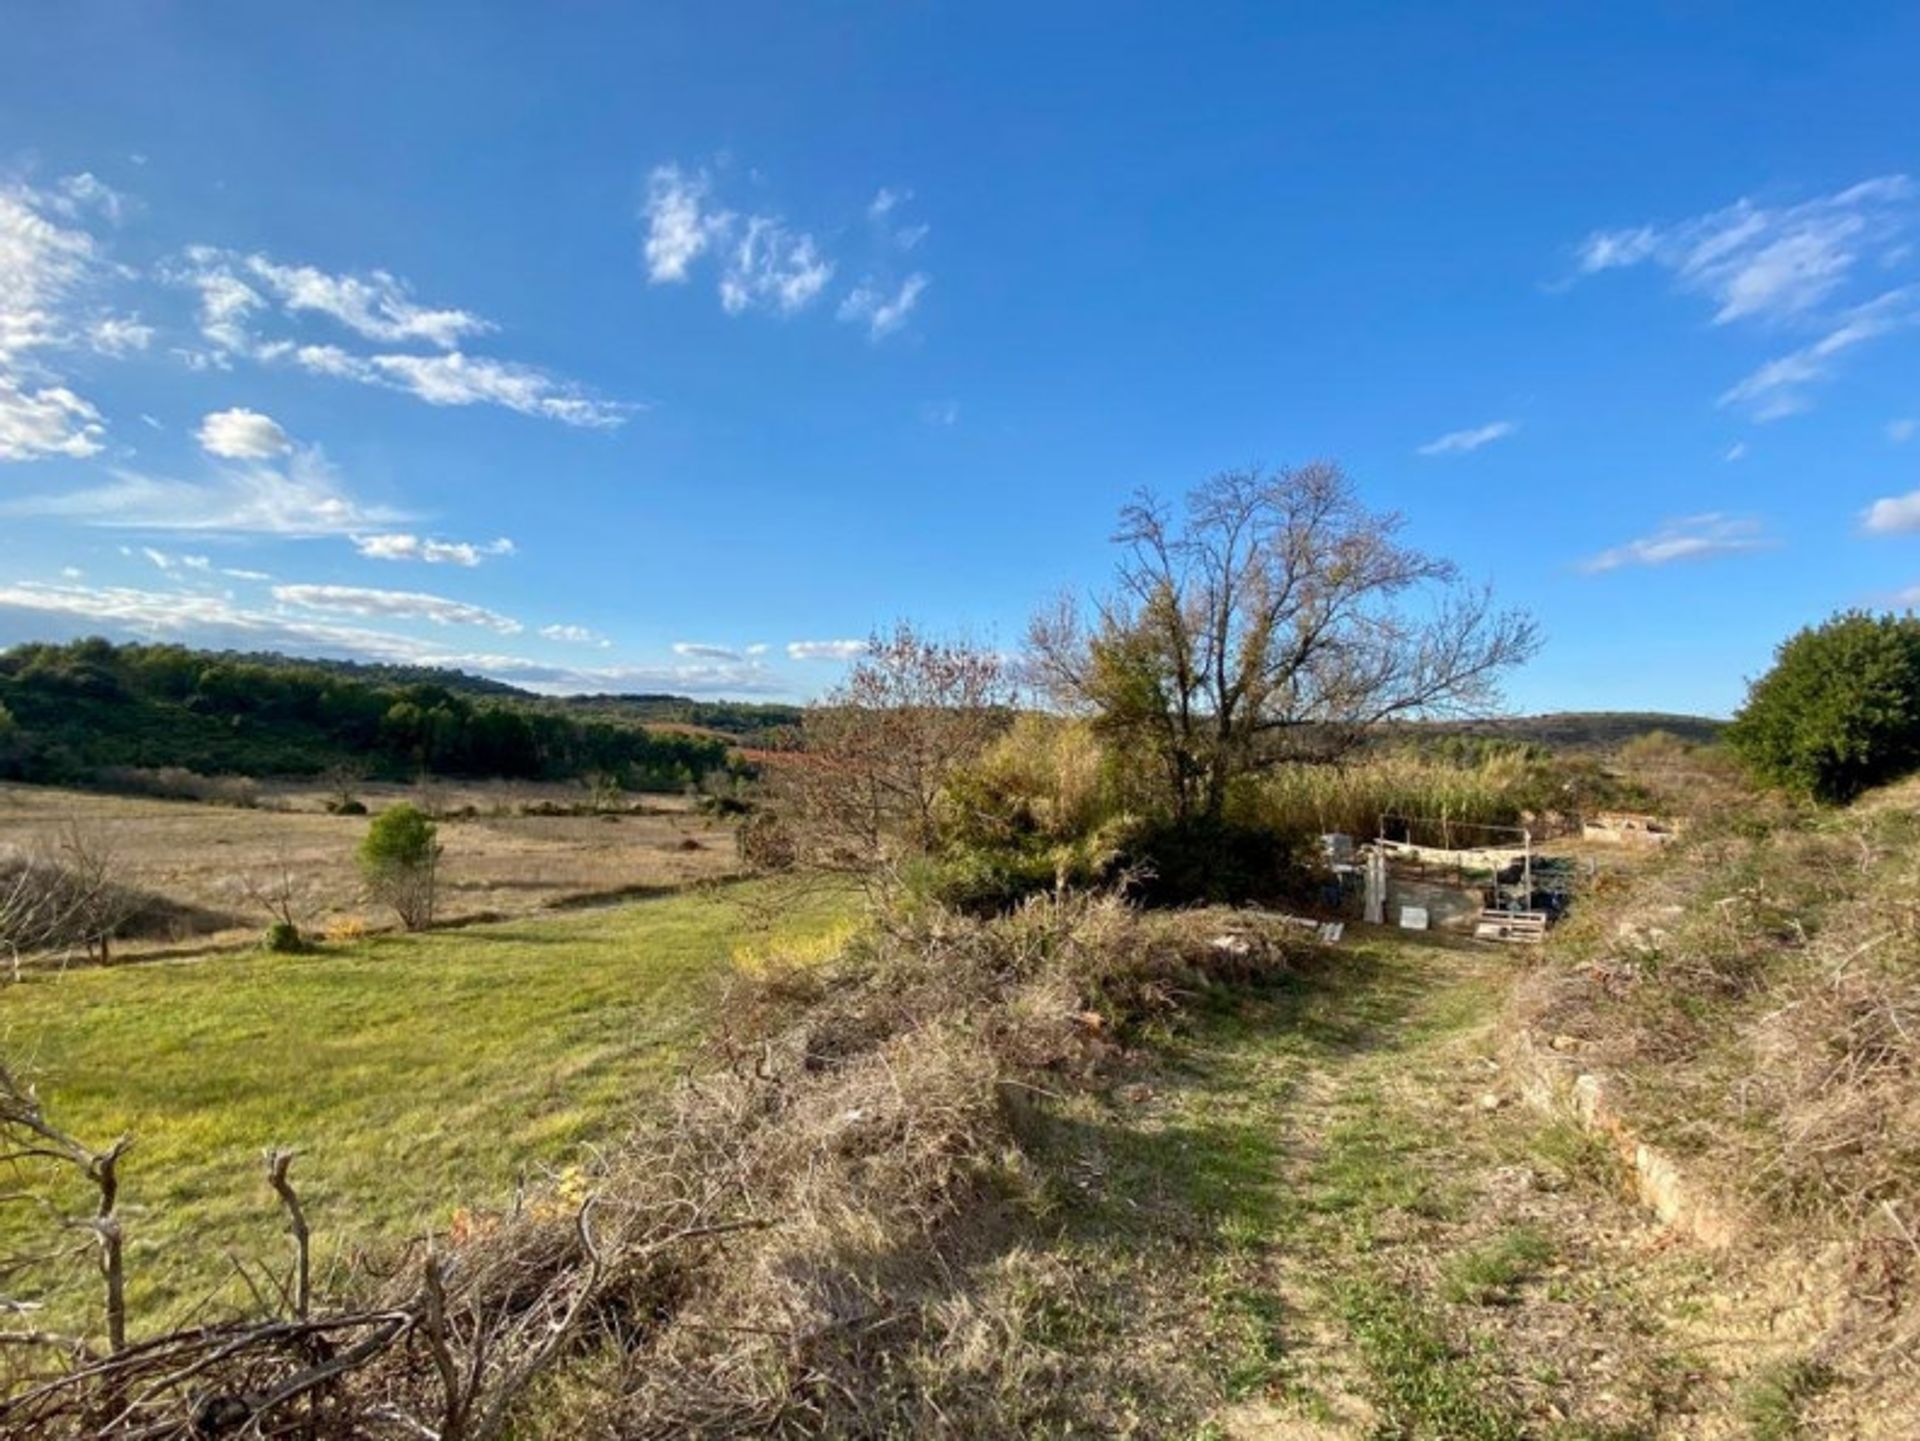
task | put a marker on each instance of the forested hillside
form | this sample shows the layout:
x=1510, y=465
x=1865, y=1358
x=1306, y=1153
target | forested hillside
x=68, y=712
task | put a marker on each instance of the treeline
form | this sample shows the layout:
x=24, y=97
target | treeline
x=68, y=711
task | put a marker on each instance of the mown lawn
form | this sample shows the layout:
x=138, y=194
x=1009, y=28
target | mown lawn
x=415, y=1075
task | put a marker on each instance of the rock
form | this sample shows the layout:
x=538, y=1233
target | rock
x=1564, y=1043
x=1490, y=1102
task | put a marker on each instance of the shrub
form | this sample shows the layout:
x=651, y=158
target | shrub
x=283, y=938
x=400, y=859
x=1840, y=709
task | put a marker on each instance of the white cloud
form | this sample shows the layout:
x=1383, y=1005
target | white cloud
x=49, y=421
x=42, y=266
x=241, y=434
x=1461, y=442
x=772, y=267
x=826, y=649
x=456, y=379
x=882, y=313
x=1778, y=388
x=169, y=562
x=119, y=335
x=1699, y=535
x=395, y=605
x=71, y=572
x=764, y=263
x=702, y=651
x=45, y=269
x=215, y=621
x=679, y=227
x=1736, y=451
x=1893, y=515
x=1757, y=261
x=376, y=305
x=73, y=195
x=941, y=412
x=301, y=497
x=255, y=575
x=571, y=635
x=401, y=545
x=885, y=200
x=1902, y=431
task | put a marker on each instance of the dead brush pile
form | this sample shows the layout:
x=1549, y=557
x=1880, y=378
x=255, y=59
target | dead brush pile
x=824, y=1235
x=1757, y=993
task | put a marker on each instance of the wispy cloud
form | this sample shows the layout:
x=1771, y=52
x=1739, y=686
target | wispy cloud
x=394, y=605
x=1903, y=430
x=403, y=545
x=238, y=293
x=165, y=560
x=772, y=268
x=48, y=268
x=883, y=313
x=680, y=227
x=703, y=651
x=376, y=305
x=826, y=649
x=765, y=263
x=1461, y=442
x=574, y=635
x=1695, y=536
x=302, y=496
x=1736, y=451
x=1779, y=388
x=241, y=434
x=1751, y=260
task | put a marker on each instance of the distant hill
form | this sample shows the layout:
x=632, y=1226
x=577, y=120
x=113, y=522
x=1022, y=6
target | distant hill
x=83, y=710
x=1581, y=730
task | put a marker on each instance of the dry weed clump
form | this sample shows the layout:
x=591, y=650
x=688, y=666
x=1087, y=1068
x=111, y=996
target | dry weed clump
x=825, y=1233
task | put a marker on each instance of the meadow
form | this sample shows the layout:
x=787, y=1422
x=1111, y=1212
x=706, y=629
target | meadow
x=416, y=1075
x=511, y=848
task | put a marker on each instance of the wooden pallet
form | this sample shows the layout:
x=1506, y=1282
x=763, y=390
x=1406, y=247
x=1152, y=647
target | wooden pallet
x=1515, y=928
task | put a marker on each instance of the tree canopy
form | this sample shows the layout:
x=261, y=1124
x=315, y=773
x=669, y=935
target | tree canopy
x=1840, y=709
x=1274, y=618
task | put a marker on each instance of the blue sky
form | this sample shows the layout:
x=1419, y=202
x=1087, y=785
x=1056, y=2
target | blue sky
x=673, y=347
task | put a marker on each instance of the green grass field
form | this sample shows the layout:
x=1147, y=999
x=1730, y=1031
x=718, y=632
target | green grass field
x=414, y=1074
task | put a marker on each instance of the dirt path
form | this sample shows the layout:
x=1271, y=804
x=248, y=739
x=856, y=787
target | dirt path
x=1420, y=1255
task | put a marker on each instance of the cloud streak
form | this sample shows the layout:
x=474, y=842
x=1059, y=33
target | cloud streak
x=1464, y=442
x=1774, y=262
x=394, y=605
x=1691, y=538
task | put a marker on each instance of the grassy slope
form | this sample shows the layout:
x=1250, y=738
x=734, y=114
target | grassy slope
x=413, y=1073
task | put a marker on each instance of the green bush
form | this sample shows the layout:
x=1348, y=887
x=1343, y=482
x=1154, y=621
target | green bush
x=1839, y=711
x=283, y=938
x=400, y=859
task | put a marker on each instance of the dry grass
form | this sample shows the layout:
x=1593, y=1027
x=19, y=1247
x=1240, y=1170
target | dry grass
x=1757, y=994
x=499, y=861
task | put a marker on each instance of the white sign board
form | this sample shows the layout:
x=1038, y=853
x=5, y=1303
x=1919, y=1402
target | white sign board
x=1413, y=918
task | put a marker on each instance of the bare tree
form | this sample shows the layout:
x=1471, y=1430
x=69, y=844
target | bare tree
x=1275, y=620
x=863, y=791
x=280, y=888
x=62, y=895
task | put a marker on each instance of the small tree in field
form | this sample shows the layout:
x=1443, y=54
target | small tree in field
x=400, y=859
x=1840, y=709
x=864, y=792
